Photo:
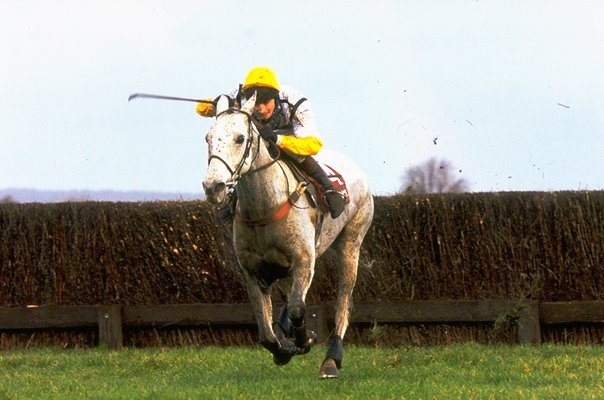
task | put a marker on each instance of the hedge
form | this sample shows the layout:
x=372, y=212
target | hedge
x=513, y=245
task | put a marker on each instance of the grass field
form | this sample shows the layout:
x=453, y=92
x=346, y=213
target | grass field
x=468, y=371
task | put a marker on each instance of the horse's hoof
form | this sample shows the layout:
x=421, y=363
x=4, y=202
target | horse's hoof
x=287, y=349
x=311, y=338
x=282, y=359
x=329, y=370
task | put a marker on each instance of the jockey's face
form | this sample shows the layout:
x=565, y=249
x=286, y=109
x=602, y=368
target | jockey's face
x=265, y=110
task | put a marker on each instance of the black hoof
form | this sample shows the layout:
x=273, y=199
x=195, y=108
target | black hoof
x=282, y=359
x=284, y=352
x=304, y=348
x=329, y=370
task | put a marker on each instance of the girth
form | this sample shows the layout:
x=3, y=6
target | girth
x=280, y=213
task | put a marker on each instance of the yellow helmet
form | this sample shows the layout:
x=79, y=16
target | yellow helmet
x=261, y=76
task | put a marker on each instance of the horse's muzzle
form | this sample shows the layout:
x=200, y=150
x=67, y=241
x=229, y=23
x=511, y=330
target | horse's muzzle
x=215, y=191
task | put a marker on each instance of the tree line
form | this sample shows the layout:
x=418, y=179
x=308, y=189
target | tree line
x=433, y=176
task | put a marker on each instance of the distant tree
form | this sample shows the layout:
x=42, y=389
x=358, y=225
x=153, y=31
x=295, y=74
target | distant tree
x=433, y=176
x=7, y=199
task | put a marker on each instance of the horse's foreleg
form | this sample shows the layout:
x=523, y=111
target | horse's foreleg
x=348, y=247
x=281, y=348
x=347, y=277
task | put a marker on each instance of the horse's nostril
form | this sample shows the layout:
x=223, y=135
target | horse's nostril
x=211, y=188
x=218, y=188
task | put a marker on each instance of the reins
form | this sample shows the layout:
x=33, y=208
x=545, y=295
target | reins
x=236, y=175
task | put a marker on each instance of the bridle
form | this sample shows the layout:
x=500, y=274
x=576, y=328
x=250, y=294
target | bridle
x=236, y=172
x=236, y=175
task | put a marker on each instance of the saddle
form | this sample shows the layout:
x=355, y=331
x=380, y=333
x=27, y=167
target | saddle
x=314, y=191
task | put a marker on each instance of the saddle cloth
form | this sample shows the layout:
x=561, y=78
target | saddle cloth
x=338, y=182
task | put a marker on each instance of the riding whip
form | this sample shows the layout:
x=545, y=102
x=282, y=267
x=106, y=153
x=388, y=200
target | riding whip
x=157, y=96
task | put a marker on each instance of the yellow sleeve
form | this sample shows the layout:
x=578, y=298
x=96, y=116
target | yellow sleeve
x=306, y=146
x=206, y=109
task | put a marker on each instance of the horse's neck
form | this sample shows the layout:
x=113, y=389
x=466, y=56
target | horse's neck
x=263, y=190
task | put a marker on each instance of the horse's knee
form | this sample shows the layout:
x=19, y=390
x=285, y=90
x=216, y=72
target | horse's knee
x=296, y=313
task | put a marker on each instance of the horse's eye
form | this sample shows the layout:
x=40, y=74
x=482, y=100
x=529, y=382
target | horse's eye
x=240, y=139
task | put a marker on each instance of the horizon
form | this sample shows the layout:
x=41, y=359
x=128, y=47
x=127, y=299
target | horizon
x=29, y=195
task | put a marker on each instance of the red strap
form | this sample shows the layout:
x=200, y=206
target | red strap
x=281, y=212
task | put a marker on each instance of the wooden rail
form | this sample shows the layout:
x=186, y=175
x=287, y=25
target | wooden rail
x=110, y=319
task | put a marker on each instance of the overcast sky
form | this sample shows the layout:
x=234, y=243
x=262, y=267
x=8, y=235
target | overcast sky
x=511, y=92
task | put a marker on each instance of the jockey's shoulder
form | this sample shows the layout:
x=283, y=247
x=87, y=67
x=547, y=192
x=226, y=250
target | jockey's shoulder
x=290, y=94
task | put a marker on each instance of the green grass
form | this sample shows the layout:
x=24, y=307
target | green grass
x=468, y=371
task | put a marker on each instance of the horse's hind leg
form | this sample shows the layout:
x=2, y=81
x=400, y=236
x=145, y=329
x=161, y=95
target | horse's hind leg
x=348, y=247
x=347, y=275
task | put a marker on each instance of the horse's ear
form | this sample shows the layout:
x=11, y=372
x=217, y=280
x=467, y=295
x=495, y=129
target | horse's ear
x=248, y=107
x=222, y=105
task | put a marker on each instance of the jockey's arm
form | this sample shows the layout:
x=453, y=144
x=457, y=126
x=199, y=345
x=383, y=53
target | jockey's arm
x=305, y=140
x=303, y=146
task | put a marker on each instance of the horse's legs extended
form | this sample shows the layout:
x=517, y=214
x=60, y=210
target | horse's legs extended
x=281, y=348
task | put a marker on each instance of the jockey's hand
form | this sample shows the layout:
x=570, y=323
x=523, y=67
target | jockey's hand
x=206, y=109
x=267, y=133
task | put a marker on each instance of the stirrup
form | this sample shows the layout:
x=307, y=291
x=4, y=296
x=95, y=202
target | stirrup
x=335, y=201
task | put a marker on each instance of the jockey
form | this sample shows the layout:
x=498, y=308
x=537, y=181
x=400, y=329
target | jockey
x=284, y=116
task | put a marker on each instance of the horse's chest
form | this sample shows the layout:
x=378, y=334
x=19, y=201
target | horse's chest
x=269, y=256
x=267, y=267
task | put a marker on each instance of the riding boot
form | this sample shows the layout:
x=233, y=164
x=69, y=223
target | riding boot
x=334, y=199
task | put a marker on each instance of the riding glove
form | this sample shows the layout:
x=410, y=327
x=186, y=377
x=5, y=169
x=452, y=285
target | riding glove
x=206, y=109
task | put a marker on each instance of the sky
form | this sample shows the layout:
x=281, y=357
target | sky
x=510, y=92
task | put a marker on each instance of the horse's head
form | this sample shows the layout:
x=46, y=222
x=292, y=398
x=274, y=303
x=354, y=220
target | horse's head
x=230, y=152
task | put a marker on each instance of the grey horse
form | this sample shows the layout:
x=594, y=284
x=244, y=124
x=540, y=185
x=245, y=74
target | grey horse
x=278, y=234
